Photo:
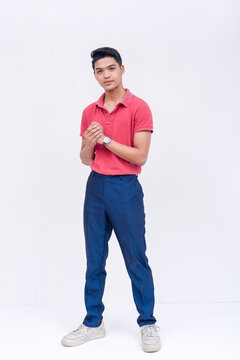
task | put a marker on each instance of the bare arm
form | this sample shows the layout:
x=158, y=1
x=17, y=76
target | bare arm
x=93, y=132
x=137, y=154
x=87, y=152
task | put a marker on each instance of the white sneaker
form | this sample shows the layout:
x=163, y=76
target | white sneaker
x=150, y=338
x=82, y=334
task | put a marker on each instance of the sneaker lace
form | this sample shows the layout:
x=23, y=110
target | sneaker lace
x=150, y=329
x=80, y=329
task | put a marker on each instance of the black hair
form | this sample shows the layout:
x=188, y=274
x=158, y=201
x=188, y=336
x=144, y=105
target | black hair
x=104, y=52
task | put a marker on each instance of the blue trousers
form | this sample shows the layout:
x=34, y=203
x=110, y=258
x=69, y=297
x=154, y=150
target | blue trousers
x=116, y=202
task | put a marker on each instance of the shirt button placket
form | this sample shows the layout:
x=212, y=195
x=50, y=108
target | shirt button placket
x=106, y=114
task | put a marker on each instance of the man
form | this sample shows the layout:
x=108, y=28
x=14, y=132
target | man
x=116, y=133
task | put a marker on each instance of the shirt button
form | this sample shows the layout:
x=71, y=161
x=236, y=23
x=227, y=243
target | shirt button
x=105, y=112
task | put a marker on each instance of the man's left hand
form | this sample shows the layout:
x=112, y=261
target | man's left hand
x=100, y=139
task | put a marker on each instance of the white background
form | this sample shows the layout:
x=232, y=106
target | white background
x=182, y=57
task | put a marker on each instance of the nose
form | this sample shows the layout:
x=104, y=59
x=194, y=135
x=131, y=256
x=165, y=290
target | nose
x=106, y=75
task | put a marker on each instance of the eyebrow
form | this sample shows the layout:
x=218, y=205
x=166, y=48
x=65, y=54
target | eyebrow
x=106, y=67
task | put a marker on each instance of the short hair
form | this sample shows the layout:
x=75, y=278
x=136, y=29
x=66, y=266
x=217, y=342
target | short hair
x=104, y=52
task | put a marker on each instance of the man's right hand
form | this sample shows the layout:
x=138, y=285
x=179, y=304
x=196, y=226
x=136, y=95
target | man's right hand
x=93, y=132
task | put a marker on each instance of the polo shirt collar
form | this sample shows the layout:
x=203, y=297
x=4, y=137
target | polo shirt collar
x=125, y=101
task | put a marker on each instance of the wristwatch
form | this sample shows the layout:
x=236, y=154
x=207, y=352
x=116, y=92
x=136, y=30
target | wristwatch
x=106, y=141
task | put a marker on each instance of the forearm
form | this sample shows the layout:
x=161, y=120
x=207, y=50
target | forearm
x=87, y=153
x=125, y=152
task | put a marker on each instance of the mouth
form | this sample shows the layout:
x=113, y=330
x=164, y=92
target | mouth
x=108, y=82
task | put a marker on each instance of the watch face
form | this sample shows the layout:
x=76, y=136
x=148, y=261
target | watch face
x=106, y=141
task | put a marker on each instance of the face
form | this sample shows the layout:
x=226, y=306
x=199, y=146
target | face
x=107, y=69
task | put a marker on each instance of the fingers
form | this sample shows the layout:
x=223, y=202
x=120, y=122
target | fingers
x=93, y=132
x=94, y=128
x=95, y=125
x=93, y=135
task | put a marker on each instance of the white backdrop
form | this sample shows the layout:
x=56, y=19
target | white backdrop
x=182, y=57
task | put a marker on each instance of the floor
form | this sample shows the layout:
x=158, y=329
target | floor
x=191, y=331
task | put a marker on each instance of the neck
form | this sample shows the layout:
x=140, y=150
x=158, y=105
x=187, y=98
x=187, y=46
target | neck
x=114, y=95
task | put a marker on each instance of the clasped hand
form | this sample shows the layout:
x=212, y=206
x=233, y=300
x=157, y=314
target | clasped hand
x=94, y=133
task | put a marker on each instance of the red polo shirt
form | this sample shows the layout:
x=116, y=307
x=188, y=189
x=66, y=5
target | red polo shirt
x=130, y=115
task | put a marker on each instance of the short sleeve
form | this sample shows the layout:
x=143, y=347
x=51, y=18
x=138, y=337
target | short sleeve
x=83, y=124
x=143, y=118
